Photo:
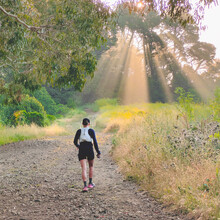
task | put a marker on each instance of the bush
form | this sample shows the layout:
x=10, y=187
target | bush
x=31, y=104
x=19, y=117
x=44, y=97
x=95, y=107
x=71, y=103
x=36, y=118
x=186, y=101
x=14, y=115
x=105, y=102
x=22, y=117
x=7, y=114
x=215, y=105
x=74, y=112
x=50, y=119
x=58, y=116
x=62, y=109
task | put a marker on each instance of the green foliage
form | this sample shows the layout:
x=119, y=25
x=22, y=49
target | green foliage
x=49, y=42
x=98, y=104
x=30, y=110
x=74, y=112
x=62, y=109
x=14, y=115
x=71, y=103
x=45, y=99
x=35, y=118
x=31, y=104
x=67, y=96
x=23, y=117
x=186, y=101
x=155, y=148
x=51, y=118
x=105, y=102
x=182, y=11
x=215, y=105
x=163, y=59
x=19, y=118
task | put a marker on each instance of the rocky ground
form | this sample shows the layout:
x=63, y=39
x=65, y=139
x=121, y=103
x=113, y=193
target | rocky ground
x=41, y=179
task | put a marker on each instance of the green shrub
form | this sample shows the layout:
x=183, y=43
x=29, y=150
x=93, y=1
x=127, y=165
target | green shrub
x=36, y=118
x=215, y=105
x=74, y=112
x=95, y=107
x=45, y=99
x=71, y=103
x=50, y=119
x=13, y=115
x=31, y=104
x=62, y=109
x=19, y=117
x=186, y=101
x=107, y=101
x=58, y=116
x=7, y=114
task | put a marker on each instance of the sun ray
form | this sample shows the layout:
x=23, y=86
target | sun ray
x=163, y=81
x=135, y=81
x=195, y=80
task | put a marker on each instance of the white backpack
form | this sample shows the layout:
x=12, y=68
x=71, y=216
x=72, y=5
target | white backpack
x=84, y=136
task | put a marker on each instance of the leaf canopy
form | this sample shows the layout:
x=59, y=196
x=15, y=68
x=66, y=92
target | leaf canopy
x=49, y=42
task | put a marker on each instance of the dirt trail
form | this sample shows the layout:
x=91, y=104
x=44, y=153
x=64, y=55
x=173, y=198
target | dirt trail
x=41, y=179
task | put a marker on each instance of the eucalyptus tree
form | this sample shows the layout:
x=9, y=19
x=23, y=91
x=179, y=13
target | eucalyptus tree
x=182, y=11
x=49, y=42
x=169, y=50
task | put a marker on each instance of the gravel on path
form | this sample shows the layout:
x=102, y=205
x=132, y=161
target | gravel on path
x=41, y=179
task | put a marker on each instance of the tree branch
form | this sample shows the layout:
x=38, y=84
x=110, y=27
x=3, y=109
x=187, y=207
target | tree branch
x=47, y=36
x=32, y=28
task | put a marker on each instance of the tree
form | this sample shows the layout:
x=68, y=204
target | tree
x=202, y=54
x=49, y=42
x=213, y=72
x=172, y=56
x=183, y=11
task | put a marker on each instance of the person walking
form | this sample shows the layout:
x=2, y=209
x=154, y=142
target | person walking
x=84, y=140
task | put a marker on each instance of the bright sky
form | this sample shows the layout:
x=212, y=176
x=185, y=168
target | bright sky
x=212, y=32
x=211, y=20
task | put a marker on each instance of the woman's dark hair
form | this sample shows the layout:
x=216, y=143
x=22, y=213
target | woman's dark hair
x=85, y=121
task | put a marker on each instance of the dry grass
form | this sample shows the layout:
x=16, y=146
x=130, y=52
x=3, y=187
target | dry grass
x=20, y=133
x=143, y=153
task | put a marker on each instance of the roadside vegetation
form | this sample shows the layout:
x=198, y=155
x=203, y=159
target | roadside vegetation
x=21, y=133
x=171, y=150
x=36, y=116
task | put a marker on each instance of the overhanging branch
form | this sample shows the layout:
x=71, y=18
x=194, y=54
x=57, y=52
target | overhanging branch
x=32, y=28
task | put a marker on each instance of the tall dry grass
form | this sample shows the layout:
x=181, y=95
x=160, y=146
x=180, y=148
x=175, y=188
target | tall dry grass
x=20, y=133
x=189, y=182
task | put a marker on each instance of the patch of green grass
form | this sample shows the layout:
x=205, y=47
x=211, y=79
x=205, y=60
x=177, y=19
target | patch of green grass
x=75, y=112
x=100, y=103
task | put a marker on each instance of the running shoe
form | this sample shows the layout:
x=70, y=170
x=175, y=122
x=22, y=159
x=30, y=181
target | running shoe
x=91, y=185
x=85, y=189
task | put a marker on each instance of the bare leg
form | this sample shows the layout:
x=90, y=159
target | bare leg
x=83, y=165
x=91, y=168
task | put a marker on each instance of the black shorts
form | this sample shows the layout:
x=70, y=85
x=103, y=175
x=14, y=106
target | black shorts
x=86, y=151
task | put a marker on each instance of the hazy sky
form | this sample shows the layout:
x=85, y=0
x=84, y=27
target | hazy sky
x=212, y=33
x=211, y=20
